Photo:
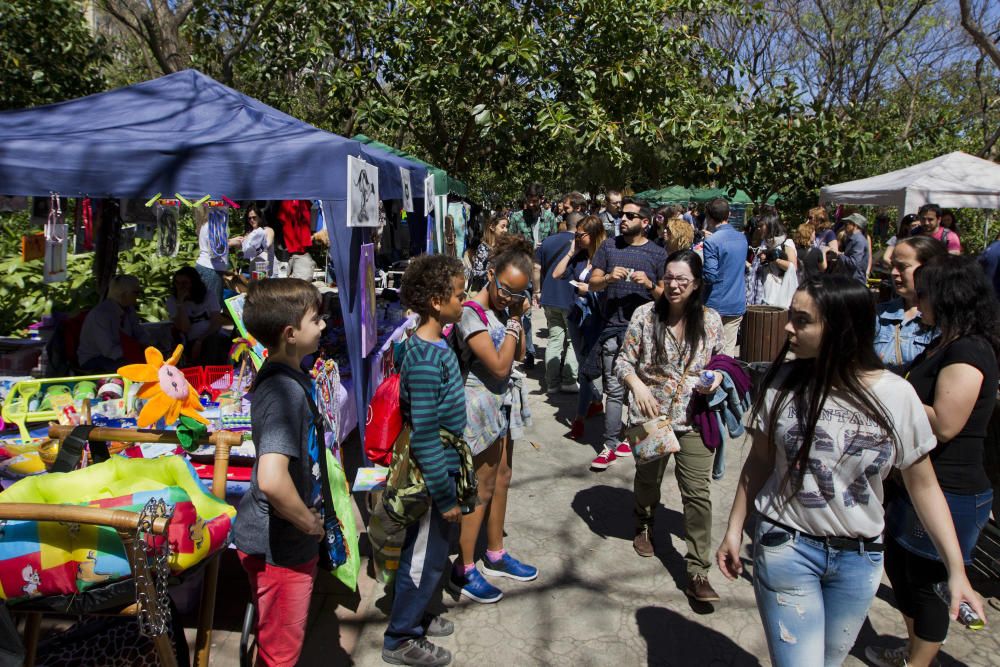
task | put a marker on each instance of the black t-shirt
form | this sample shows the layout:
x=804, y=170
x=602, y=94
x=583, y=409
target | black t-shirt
x=959, y=462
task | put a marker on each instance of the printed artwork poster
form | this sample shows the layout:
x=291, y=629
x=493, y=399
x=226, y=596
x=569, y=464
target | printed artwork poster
x=369, y=329
x=362, y=193
x=429, y=194
x=404, y=175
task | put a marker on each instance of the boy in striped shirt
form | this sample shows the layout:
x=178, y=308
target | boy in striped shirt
x=432, y=397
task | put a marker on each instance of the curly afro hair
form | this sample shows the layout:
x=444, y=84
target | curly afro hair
x=428, y=276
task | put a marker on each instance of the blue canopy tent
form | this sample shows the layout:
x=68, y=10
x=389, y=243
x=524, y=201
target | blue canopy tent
x=189, y=134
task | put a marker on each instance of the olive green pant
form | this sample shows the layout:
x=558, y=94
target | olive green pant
x=693, y=470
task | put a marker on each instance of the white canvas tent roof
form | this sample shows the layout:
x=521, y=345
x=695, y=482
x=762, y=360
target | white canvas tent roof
x=955, y=180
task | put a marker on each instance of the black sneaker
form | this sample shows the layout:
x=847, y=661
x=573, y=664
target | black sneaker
x=417, y=652
x=438, y=626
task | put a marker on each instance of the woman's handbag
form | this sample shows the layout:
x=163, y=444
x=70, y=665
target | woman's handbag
x=655, y=438
x=652, y=440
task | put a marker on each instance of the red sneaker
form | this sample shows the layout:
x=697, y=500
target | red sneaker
x=604, y=459
x=596, y=408
x=623, y=450
x=576, y=430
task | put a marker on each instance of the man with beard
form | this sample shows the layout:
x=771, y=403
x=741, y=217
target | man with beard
x=628, y=271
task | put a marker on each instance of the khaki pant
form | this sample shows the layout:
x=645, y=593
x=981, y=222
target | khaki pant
x=731, y=330
x=693, y=470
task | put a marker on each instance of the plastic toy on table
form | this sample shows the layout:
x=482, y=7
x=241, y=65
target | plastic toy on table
x=31, y=401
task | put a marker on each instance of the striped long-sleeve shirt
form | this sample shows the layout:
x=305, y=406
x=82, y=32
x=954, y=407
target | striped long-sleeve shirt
x=432, y=397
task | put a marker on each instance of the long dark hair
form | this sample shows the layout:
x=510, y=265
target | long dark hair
x=198, y=289
x=847, y=350
x=694, y=312
x=961, y=297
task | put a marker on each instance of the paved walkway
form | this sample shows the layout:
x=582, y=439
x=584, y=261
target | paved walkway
x=595, y=602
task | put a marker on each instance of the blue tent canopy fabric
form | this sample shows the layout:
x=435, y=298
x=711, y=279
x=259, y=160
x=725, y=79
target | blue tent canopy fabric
x=187, y=133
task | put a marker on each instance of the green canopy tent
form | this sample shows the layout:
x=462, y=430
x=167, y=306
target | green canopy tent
x=677, y=194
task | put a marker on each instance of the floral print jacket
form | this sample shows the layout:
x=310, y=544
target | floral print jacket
x=637, y=356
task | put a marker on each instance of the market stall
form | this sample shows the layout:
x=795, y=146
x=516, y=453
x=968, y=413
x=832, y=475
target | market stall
x=185, y=136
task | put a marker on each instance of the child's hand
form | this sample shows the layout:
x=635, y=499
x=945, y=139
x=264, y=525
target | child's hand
x=316, y=525
x=454, y=515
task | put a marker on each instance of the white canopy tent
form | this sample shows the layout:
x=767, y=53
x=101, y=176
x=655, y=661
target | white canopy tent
x=955, y=180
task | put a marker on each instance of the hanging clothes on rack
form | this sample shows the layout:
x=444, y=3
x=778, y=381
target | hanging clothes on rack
x=55, y=244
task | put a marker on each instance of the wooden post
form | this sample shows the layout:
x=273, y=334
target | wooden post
x=206, y=612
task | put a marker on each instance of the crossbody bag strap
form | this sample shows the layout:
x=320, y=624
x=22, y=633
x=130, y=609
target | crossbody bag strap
x=320, y=431
x=899, y=346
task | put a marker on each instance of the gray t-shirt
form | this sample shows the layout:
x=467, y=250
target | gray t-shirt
x=280, y=421
x=471, y=324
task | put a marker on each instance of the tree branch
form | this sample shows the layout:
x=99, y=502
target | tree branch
x=977, y=33
x=251, y=32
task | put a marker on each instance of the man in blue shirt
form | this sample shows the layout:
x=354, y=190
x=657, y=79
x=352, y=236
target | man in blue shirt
x=724, y=270
x=556, y=297
x=990, y=261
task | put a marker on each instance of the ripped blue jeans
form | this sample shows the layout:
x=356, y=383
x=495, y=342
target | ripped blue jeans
x=812, y=598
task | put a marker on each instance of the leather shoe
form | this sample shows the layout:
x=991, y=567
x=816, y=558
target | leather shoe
x=643, y=542
x=699, y=589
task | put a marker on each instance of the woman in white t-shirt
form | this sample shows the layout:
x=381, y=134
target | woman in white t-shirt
x=818, y=539
x=258, y=243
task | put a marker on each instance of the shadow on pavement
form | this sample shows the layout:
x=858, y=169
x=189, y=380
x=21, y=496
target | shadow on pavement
x=672, y=639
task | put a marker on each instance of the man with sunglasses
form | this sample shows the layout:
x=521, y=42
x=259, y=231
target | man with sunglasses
x=628, y=272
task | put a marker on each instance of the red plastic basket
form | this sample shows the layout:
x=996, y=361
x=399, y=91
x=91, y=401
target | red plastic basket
x=217, y=379
x=195, y=375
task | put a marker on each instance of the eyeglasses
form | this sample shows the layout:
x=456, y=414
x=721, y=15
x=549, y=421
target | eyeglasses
x=503, y=291
x=681, y=282
x=580, y=235
x=633, y=215
x=930, y=219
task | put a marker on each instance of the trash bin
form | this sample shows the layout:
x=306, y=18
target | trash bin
x=763, y=333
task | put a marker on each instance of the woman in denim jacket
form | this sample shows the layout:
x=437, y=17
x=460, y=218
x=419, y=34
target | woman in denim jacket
x=900, y=333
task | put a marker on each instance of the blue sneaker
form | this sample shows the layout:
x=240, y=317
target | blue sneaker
x=509, y=567
x=474, y=587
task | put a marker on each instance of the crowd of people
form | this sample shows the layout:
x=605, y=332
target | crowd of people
x=867, y=431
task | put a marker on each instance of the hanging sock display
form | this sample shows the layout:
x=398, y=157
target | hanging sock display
x=167, y=238
x=218, y=232
x=55, y=244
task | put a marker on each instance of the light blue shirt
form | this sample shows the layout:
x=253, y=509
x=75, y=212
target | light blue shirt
x=724, y=271
x=914, y=336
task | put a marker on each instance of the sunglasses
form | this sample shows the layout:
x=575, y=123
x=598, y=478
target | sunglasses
x=681, y=282
x=503, y=291
x=633, y=215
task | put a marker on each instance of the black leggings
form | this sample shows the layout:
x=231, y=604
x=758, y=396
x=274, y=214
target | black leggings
x=912, y=578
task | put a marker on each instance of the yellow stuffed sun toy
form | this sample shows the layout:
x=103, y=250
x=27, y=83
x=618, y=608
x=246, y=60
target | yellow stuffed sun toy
x=167, y=392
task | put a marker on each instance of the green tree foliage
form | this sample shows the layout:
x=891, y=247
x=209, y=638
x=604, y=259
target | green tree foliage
x=47, y=53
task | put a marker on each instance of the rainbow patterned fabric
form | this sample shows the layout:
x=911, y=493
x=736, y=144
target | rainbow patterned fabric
x=39, y=558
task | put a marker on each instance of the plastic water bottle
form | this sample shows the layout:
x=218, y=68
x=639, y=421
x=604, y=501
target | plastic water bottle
x=259, y=269
x=966, y=615
x=705, y=380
